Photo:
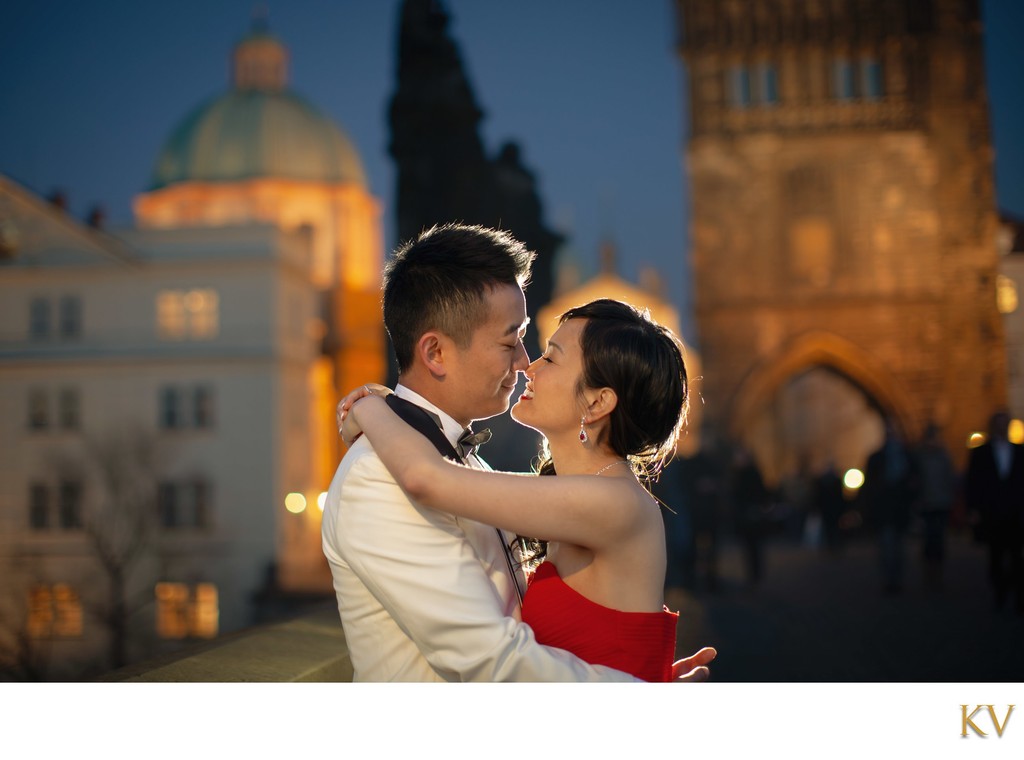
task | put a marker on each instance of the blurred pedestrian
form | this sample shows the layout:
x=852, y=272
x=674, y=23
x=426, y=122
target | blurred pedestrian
x=995, y=503
x=703, y=488
x=676, y=514
x=889, y=485
x=802, y=520
x=830, y=504
x=937, y=485
x=750, y=499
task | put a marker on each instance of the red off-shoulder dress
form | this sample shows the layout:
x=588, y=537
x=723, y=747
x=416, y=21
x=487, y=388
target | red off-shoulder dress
x=640, y=643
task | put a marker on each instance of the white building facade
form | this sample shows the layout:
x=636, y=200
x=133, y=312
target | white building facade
x=181, y=361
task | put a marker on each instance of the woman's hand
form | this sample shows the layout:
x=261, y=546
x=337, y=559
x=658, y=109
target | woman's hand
x=347, y=426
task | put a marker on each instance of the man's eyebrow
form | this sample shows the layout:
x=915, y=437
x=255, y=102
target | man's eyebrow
x=516, y=329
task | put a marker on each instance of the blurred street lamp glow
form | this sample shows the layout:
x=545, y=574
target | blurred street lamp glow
x=321, y=500
x=853, y=479
x=974, y=440
x=295, y=502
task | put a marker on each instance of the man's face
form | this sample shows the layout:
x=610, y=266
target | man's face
x=482, y=376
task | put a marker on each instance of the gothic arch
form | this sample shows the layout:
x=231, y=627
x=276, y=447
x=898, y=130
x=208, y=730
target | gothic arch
x=820, y=348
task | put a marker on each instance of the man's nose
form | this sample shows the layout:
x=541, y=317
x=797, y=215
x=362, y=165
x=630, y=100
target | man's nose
x=522, y=360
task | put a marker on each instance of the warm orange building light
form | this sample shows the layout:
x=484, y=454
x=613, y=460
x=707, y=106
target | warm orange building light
x=1015, y=432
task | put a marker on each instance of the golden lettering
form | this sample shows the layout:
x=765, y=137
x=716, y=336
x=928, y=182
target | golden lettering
x=968, y=722
x=995, y=721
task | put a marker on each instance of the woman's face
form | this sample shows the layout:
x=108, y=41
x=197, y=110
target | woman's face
x=550, y=403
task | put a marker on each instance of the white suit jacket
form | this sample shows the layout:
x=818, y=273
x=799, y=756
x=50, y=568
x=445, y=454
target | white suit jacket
x=424, y=595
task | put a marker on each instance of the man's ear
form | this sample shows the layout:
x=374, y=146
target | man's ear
x=601, y=404
x=432, y=349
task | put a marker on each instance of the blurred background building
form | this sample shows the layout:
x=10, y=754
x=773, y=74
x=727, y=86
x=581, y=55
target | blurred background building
x=170, y=388
x=843, y=237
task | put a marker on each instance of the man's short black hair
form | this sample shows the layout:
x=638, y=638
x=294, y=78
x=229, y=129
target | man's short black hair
x=439, y=281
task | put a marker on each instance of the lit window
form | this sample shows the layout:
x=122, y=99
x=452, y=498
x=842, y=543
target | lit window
x=38, y=409
x=1006, y=294
x=69, y=409
x=54, y=612
x=70, y=317
x=202, y=309
x=170, y=315
x=39, y=318
x=205, y=611
x=172, y=610
x=184, y=611
x=70, y=507
x=184, y=314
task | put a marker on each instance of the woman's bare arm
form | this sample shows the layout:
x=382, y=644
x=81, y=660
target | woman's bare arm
x=579, y=509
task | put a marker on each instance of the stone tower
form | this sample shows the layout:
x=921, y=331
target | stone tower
x=843, y=221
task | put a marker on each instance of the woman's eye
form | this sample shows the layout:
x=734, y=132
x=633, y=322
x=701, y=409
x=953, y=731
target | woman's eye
x=547, y=360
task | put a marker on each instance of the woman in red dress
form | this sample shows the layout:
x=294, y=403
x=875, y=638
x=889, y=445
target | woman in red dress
x=609, y=395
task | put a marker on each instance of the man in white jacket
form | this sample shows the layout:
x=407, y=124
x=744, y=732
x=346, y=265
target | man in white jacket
x=424, y=595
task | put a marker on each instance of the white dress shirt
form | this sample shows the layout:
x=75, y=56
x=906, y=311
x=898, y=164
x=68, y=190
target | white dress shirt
x=424, y=595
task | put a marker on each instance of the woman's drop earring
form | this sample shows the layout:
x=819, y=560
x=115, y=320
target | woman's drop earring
x=583, y=430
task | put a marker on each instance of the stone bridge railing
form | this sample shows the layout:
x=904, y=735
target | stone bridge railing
x=304, y=649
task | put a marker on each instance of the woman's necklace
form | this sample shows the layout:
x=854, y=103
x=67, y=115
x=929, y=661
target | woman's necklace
x=607, y=466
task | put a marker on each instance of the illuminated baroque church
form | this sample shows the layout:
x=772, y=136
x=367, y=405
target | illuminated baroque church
x=202, y=352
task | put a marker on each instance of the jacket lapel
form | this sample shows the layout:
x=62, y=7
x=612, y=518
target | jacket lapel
x=421, y=421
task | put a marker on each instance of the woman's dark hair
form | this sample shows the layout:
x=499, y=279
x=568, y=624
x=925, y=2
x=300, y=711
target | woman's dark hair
x=642, y=361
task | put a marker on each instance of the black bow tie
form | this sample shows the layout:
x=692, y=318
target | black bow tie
x=469, y=441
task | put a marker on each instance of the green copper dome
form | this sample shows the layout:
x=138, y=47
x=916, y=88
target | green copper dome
x=247, y=134
x=257, y=129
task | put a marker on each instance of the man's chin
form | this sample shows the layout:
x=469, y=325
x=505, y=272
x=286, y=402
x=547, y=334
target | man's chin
x=500, y=406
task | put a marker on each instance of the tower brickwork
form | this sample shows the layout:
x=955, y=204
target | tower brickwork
x=843, y=211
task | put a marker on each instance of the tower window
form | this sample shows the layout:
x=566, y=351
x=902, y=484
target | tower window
x=767, y=83
x=739, y=86
x=842, y=79
x=871, y=87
